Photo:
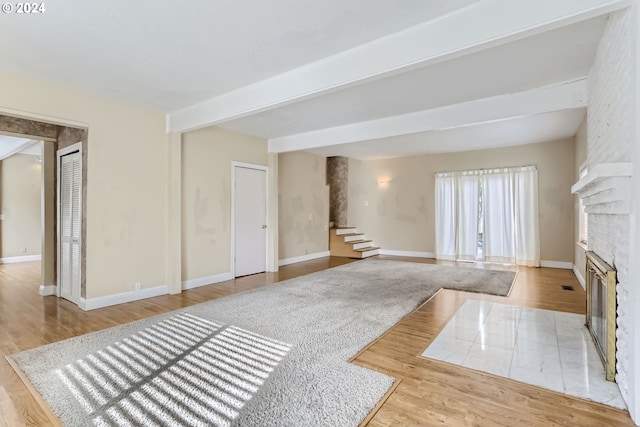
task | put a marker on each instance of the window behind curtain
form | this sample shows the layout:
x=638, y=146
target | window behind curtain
x=488, y=215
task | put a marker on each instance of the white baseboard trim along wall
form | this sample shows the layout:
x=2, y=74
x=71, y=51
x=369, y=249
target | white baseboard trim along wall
x=543, y=263
x=106, y=301
x=557, y=264
x=100, y=302
x=26, y=258
x=580, y=277
x=208, y=280
x=301, y=258
x=47, y=290
x=408, y=253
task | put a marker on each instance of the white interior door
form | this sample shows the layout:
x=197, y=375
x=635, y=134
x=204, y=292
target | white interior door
x=69, y=217
x=250, y=215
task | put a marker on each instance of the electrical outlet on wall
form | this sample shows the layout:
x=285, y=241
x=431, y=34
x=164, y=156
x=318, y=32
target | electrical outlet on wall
x=24, y=250
x=137, y=286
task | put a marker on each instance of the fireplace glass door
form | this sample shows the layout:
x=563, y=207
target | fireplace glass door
x=601, y=310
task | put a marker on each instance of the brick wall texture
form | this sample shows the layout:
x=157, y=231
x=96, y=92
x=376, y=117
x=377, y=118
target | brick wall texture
x=609, y=139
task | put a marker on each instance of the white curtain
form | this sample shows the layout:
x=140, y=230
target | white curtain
x=457, y=216
x=510, y=202
x=467, y=239
x=526, y=218
x=446, y=223
x=498, y=239
x=510, y=215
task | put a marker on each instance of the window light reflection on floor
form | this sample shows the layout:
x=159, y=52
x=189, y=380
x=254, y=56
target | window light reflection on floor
x=184, y=370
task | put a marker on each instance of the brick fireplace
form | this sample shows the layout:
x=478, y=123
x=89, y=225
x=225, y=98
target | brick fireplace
x=610, y=192
x=604, y=192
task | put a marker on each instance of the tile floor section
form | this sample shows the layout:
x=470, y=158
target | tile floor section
x=548, y=349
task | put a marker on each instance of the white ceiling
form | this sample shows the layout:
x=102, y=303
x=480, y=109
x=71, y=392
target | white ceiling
x=312, y=75
x=10, y=145
x=167, y=55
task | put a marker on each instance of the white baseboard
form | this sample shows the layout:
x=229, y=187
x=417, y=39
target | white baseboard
x=47, y=290
x=408, y=253
x=100, y=302
x=557, y=264
x=302, y=258
x=208, y=280
x=550, y=264
x=26, y=258
x=580, y=277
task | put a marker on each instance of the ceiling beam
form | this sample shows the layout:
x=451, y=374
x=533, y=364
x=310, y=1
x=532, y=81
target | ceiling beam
x=483, y=25
x=553, y=98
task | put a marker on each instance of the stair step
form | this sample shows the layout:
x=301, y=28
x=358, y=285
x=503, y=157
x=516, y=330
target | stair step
x=352, y=237
x=350, y=243
x=367, y=252
x=370, y=248
x=360, y=244
x=340, y=231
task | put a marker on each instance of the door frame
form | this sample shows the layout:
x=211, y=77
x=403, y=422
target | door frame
x=234, y=166
x=77, y=147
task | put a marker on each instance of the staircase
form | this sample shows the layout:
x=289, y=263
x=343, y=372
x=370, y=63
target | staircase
x=348, y=242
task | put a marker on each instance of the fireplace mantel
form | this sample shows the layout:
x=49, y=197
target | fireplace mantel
x=605, y=188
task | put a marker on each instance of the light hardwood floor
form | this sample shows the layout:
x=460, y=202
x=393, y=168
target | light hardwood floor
x=428, y=392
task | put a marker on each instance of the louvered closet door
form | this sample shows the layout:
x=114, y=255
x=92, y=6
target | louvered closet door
x=70, y=185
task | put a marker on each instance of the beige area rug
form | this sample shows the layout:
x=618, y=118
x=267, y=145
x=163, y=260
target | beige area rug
x=277, y=355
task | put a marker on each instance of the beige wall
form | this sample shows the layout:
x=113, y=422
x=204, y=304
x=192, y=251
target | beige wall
x=126, y=182
x=206, y=196
x=303, y=205
x=579, y=256
x=20, y=203
x=400, y=214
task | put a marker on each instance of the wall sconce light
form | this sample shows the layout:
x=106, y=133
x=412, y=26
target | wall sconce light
x=383, y=180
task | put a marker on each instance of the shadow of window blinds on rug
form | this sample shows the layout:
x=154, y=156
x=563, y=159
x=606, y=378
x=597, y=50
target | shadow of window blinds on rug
x=184, y=370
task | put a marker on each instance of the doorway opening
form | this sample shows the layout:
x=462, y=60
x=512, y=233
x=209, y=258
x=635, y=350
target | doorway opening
x=51, y=136
x=20, y=200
